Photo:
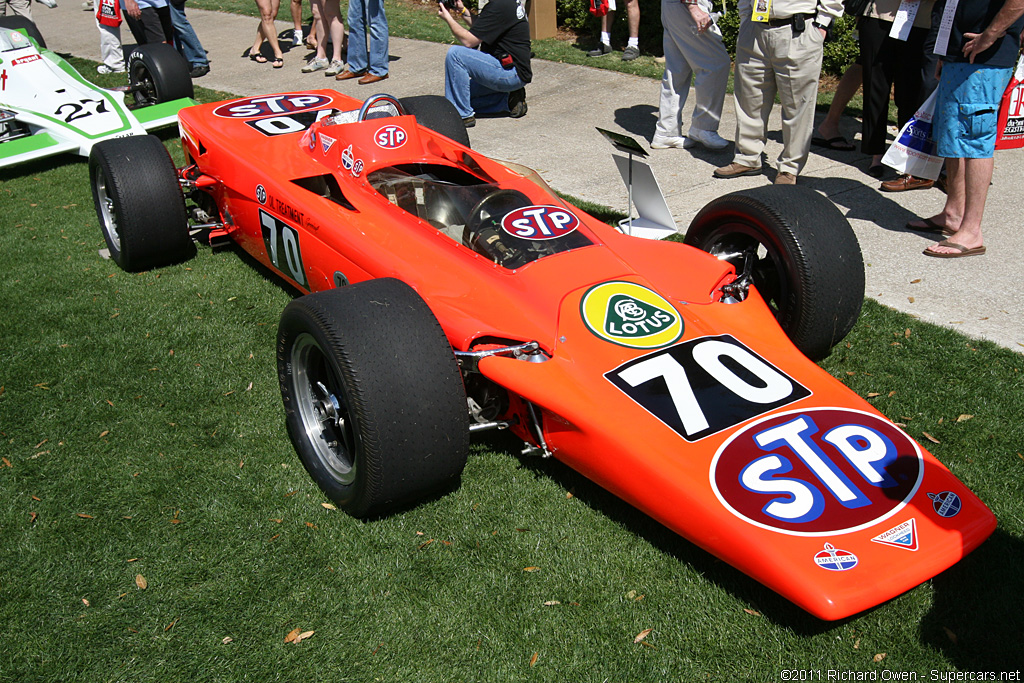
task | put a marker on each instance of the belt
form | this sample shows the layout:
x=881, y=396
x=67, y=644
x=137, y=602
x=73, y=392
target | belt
x=788, y=21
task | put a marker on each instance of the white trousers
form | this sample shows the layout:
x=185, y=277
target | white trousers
x=690, y=55
x=772, y=61
x=111, y=53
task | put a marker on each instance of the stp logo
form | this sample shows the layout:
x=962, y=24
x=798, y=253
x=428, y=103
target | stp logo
x=817, y=472
x=390, y=137
x=270, y=104
x=539, y=222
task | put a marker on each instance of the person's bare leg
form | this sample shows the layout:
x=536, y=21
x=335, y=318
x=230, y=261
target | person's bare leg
x=967, y=197
x=848, y=86
x=632, y=18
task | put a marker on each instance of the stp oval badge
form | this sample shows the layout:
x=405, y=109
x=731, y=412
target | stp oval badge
x=629, y=314
x=390, y=137
x=816, y=472
x=270, y=105
x=539, y=222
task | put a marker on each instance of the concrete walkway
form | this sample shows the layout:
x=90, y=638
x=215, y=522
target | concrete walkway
x=978, y=296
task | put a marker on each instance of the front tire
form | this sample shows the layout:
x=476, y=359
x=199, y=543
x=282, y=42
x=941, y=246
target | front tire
x=807, y=263
x=373, y=397
x=157, y=73
x=439, y=115
x=19, y=23
x=139, y=203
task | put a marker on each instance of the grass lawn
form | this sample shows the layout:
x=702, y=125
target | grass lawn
x=156, y=525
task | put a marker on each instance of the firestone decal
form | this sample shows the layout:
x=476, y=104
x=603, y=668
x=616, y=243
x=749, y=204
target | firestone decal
x=632, y=315
x=271, y=105
x=835, y=560
x=817, y=472
x=539, y=222
x=390, y=137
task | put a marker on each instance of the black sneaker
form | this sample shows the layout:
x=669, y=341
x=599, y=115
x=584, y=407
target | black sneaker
x=469, y=121
x=630, y=53
x=199, y=71
x=601, y=49
x=517, y=103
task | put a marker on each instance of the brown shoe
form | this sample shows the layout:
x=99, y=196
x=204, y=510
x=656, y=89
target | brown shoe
x=785, y=178
x=346, y=74
x=371, y=78
x=735, y=170
x=906, y=182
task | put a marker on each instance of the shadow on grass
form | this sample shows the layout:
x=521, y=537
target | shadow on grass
x=977, y=618
x=773, y=606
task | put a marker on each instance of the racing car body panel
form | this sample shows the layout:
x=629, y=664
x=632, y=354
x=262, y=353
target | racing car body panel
x=696, y=410
x=56, y=110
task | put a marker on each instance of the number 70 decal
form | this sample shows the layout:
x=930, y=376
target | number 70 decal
x=705, y=385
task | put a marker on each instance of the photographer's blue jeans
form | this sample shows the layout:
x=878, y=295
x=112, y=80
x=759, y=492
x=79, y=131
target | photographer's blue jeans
x=366, y=19
x=476, y=82
x=185, y=38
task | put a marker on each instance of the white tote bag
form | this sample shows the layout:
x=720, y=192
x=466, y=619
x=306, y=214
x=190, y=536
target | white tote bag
x=913, y=151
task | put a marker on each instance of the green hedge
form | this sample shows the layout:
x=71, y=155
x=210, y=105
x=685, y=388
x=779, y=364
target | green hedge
x=840, y=51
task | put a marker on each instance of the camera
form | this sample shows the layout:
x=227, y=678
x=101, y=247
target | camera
x=450, y=4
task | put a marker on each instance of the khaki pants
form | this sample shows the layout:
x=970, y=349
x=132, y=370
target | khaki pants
x=772, y=61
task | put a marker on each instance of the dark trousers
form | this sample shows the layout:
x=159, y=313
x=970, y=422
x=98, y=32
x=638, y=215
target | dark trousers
x=155, y=25
x=888, y=64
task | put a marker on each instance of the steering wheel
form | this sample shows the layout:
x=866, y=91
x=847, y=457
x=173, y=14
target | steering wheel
x=373, y=100
x=488, y=241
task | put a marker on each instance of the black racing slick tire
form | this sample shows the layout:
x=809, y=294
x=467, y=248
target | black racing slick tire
x=806, y=261
x=139, y=203
x=439, y=115
x=158, y=73
x=373, y=397
x=19, y=23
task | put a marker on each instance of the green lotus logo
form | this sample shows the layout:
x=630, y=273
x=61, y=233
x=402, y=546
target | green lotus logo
x=631, y=315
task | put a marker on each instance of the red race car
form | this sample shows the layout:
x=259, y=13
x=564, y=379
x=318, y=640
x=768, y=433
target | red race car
x=448, y=293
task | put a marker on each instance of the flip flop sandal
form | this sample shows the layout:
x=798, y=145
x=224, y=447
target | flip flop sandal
x=277, y=63
x=930, y=226
x=838, y=143
x=962, y=250
x=258, y=58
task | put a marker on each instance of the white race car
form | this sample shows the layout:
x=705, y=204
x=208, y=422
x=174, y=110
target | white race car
x=47, y=108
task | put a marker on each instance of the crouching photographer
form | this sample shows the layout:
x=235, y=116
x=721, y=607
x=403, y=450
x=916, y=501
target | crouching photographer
x=488, y=73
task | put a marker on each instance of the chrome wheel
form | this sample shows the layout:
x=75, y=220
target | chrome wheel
x=323, y=410
x=108, y=216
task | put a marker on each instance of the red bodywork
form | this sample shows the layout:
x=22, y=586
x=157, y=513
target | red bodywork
x=715, y=426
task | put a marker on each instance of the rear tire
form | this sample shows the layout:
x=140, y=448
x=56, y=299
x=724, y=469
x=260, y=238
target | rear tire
x=373, y=396
x=808, y=265
x=139, y=203
x=22, y=24
x=157, y=73
x=439, y=115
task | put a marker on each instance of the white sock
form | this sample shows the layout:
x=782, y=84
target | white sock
x=606, y=37
x=633, y=42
